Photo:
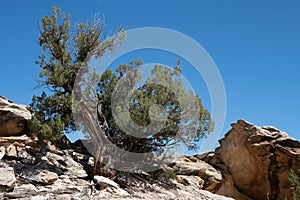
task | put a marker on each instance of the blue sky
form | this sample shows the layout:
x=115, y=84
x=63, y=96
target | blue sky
x=255, y=44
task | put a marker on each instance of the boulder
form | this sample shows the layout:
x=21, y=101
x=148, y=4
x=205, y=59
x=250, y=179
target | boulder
x=194, y=181
x=71, y=168
x=44, y=176
x=13, y=118
x=7, y=178
x=255, y=162
x=74, y=169
x=11, y=151
x=193, y=166
x=104, y=182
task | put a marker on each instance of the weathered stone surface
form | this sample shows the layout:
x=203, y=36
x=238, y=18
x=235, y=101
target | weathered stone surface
x=45, y=177
x=25, y=188
x=251, y=163
x=13, y=118
x=193, y=166
x=194, y=181
x=74, y=169
x=11, y=151
x=71, y=168
x=7, y=178
x=104, y=182
x=61, y=174
x=18, y=141
x=2, y=152
x=23, y=191
x=255, y=162
x=109, y=186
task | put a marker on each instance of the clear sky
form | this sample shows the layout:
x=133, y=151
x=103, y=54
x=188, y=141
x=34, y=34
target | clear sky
x=255, y=44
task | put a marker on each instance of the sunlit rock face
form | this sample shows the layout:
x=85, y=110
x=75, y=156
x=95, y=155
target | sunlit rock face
x=251, y=163
x=255, y=162
x=29, y=171
x=13, y=118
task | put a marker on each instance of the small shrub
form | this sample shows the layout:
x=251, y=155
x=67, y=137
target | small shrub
x=163, y=175
x=294, y=180
x=45, y=131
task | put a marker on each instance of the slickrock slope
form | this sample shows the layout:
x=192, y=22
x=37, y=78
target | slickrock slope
x=29, y=172
x=251, y=163
x=255, y=162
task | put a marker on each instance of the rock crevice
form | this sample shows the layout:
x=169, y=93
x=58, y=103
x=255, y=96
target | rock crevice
x=13, y=118
x=273, y=175
x=251, y=163
x=255, y=162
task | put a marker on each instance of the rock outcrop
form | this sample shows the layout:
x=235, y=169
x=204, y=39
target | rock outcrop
x=255, y=162
x=251, y=163
x=13, y=118
x=30, y=172
x=191, y=168
x=7, y=178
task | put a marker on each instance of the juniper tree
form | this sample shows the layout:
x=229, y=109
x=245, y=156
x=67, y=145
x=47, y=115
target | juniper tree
x=144, y=96
x=66, y=48
x=163, y=87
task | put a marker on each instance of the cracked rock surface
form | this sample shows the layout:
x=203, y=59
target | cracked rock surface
x=255, y=162
x=29, y=172
x=13, y=118
x=251, y=163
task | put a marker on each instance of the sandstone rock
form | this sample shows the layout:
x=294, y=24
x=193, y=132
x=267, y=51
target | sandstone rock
x=104, y=182
x=91, y=161
x=109, y=186
x=2, y=152
x=22, y=140
x=25, y=188
x=22, y=191
x=38, y=180
x=11, y=151
x=25, y=157
x=7, y=178
x=13, y=118
x=74, y=169
x=47, y=177
x=255, y=162
x=194, y=181
x=210, y=196
x=54, y=159
x=39, y=197
x=44, y=176
x=51, y=173
x=71, y=168
x=192, y=166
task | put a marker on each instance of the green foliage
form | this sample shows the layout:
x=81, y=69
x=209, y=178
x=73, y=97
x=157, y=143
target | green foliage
x=140, y=108
x=294, y=180
x=66, y=49
x=163, y=175
x=48, y=132
x=169, y=174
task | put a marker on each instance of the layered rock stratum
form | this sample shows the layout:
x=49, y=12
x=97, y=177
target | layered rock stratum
x=255, y=162
x=13, y=118
x=31, y=172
